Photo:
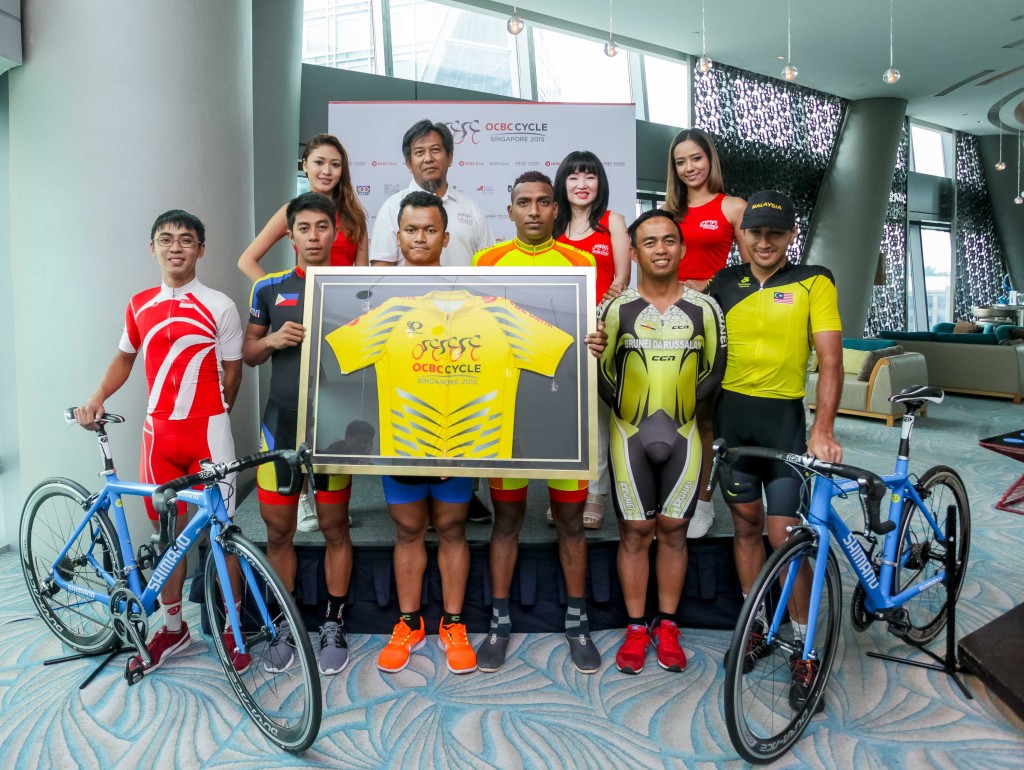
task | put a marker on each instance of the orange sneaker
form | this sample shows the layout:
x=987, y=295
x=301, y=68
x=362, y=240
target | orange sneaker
x=404, y=641
x=461, y=655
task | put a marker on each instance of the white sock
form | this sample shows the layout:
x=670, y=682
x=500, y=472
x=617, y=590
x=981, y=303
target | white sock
x=704, y=508
x=172, y=617
x=799, y=630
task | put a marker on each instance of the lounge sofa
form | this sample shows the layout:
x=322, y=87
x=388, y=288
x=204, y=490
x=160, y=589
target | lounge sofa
x=887, y=376
x=968, y=363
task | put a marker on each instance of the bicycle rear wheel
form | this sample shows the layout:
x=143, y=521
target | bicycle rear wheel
x=53, y=511
x=922, y=551
x=770, y=692
x=285, y=705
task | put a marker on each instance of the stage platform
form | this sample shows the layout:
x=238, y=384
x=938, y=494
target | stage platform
x=711, y=598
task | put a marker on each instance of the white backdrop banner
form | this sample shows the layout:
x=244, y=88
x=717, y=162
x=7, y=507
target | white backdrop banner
x=494, y=143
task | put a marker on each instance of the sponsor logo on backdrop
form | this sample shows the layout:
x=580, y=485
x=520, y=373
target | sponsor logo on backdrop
x=518, y=131
x=392, y=188
x=465, y=129
x=500, y=163
x=376, y=163
x=470, y=163
x=362, y=189
x=359, y=163
x=485, y=189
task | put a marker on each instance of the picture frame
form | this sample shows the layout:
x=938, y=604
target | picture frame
x=450, y=371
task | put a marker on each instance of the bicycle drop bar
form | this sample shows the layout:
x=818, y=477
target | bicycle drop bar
x=871, y=484
x=164, y=495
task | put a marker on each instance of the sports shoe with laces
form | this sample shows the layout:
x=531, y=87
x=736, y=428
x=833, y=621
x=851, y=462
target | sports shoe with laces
x=404, y=641
x=633, y=653
x=803, y=672
x=333, y=648
x=281, y=653
x=757, y=648
x=665, y=636
x=240, y=661
x=490, y=656
x=582, y=652
x=453, y=640
x=162, y=646
x=308, y=522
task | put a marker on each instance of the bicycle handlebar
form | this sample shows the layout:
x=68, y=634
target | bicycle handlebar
x=871, y=484
x=165, y=494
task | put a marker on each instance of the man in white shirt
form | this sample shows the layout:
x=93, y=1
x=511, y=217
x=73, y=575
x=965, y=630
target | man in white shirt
x=428, y=149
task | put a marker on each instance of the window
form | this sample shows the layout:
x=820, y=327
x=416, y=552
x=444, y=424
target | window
x=574, y=69
x=931, y=151
x=930, y=289
x=339, y=33
x=668, y=91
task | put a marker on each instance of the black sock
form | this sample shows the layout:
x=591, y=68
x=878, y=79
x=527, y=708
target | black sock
x=413, y=619
x=660, y=616
x=576, y=616
x=636, y=621
x=335, y=606
x=501, y=622
x=449, y=619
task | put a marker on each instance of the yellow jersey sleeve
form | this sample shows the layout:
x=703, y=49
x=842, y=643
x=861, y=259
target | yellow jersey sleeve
x=824, y=306
x=535, y=344
x=362, y=341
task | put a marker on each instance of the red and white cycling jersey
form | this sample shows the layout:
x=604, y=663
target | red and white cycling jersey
x=183, y=335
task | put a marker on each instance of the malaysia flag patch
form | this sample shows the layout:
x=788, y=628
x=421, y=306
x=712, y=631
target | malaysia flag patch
x=291, y=300
x=783, y=298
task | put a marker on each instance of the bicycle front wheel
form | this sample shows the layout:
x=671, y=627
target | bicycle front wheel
x=922, y=551
x=283, y=698
x=771, y=692
x=53, y=511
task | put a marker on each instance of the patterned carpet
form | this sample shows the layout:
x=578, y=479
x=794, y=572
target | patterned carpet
x=538, y=712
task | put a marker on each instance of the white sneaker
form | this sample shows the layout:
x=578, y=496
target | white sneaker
x=307, y=515
x=702, y=520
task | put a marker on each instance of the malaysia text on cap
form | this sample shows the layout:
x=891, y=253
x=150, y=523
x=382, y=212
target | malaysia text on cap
x=769, y=209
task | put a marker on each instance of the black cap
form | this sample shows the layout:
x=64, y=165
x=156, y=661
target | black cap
x=769, y=209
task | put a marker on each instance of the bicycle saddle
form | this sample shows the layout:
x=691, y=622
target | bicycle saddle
x=106, y=417
x=920, y=393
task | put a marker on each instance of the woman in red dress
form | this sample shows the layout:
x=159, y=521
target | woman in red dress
x=325, y=162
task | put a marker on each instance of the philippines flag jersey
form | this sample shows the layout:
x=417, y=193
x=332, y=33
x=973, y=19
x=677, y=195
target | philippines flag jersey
x=183, y=335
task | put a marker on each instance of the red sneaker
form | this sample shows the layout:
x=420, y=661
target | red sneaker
x=631, y=655
x=240, y=660
x=666, y=641
x=162, y=646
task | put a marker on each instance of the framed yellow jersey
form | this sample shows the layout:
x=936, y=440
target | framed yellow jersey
x=450, y=371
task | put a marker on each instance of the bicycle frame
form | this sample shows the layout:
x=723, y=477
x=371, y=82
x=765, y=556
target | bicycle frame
x=211, y=515
x=826, y=523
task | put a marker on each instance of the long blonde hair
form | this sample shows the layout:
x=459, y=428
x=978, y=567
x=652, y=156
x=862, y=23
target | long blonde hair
x=675, y=191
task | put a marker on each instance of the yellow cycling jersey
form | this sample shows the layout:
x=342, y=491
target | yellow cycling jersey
x=515, y=253
x=771, y=326
x=448, y=366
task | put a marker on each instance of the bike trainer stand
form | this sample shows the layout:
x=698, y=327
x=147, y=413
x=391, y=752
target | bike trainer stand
x=110, y=655
x=950, y=662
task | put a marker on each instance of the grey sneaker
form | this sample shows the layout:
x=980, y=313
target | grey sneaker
x=308, y=521
x=491, y=654
x=281, y=654
x=333, y=648
x=584, y=654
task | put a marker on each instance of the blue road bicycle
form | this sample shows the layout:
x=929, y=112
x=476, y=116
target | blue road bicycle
x=90, y=588
x=784, y=645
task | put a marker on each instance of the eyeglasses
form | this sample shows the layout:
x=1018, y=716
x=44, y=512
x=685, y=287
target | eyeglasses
x=185, y=241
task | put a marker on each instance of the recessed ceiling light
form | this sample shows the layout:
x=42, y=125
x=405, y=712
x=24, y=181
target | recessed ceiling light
x=781, y=58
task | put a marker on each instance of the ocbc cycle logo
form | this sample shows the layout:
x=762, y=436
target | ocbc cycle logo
x=461, y=129
x=448, y=348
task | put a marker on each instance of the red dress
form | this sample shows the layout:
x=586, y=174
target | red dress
x=599, y=244
x=708, y=236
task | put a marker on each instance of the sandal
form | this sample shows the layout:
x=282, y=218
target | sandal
x=593, y=512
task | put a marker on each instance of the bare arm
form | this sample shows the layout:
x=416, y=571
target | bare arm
x=362, y=253
x=116, y=376
x=822, y=443
x=258, y=345
x=275, y=230
x=733, y=209
x=620, y=251
x=232, y=380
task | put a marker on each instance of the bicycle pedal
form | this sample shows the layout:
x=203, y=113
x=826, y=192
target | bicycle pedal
x=133, y=676
x=898, y=621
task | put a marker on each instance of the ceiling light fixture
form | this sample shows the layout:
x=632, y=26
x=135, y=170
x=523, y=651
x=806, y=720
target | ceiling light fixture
x=1000, y=165
x=789, y=72
x=515, y=25
x=892, y=74
x=1018, y=200
x=610, y=48
x=704, y=63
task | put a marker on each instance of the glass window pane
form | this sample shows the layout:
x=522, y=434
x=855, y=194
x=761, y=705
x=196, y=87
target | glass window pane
x=436, y=43
x=668, y=91
x=927, y=151
x=573, y=69
x=936, y=247
x=338, y=33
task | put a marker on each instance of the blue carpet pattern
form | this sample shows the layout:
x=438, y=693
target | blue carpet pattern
x=538, y=712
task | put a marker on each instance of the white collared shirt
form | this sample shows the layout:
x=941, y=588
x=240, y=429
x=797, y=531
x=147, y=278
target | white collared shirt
x=467, y=229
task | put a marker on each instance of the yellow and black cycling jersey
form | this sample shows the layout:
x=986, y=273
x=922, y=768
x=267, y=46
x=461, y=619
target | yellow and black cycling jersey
x=772, y=325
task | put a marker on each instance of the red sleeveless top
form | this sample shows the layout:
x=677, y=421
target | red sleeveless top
x=599, y=244
x=708, y=236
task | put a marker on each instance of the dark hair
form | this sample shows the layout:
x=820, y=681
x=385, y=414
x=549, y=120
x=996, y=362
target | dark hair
x=531, y=176
x=675, y=191
x=350, y=212
x=647, y=216
x=580, y=162
x=311, y=201
x=420, y=129
x=181, y=219
x=422, y=200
